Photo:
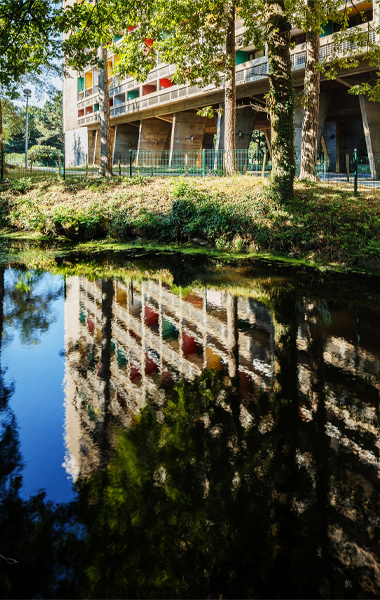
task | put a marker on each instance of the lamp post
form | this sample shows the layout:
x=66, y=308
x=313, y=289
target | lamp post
x=27, y=94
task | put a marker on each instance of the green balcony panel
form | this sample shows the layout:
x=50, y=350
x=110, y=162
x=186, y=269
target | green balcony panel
x=241, y=57
x=80, y=84
x=327, y=29
x=133, y=94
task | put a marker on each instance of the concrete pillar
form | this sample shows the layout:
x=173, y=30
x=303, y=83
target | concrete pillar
x=189, y=129
x=94, y=145
x=298, y=120
x=371, y=125
x=126, y=139
x=154, y=137
x=187, y=139
x=329, y=135
x=245, y=123
x=324, y=103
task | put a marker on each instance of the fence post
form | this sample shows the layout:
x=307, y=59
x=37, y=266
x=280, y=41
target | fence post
x=2, y=165
x=130, y=163
x=355, y=172
x=204, y=163
x=119, y=165
x=264, y=164
x=348, y=167
x=64, y=166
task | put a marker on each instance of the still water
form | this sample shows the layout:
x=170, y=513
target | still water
x=175, y=428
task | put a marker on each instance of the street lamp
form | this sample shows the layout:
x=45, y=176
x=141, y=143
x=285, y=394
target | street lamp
x=27, y=93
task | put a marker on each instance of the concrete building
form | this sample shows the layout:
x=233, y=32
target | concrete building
x=160, y=116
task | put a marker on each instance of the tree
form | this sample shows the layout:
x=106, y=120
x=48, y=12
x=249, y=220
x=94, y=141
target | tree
x=89, y=28
x=281, y=96
x=311, y=15
x=29, y=40
x=48, y=122
x=198, y=37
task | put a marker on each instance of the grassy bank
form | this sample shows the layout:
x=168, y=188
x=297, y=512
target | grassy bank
x=320, y=223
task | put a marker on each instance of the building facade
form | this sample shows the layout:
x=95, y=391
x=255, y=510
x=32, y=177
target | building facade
x=160, y=116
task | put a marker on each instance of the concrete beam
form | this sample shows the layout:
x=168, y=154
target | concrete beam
x=371, y=125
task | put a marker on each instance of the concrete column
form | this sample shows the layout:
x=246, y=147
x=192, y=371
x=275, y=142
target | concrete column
x=188, y=131
x=154, y=136
x=324, y=103
x=94, y=145
x=245, y=122
x=371, y=125
x=187, y=138
x=329, y=135
x=126, y=139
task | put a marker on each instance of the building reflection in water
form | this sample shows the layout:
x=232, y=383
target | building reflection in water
x=305, y=378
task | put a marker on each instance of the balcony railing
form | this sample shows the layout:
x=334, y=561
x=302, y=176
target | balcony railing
x=245, y=73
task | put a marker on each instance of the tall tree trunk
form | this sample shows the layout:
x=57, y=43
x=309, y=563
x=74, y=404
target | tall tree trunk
x=309, y=146
x=1, y=127
x=281, y=97
x=105, y=169
x=285, y=439
x=230, y=93
x=107, y=300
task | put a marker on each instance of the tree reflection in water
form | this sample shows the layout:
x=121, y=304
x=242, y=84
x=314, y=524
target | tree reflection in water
x=217, y=493
x=216, y=488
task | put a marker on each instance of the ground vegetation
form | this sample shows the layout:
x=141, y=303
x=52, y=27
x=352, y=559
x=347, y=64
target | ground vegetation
x=321, y=222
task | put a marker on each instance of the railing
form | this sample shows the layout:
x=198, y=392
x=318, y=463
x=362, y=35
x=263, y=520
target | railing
x=245, y=73
x=346, y=169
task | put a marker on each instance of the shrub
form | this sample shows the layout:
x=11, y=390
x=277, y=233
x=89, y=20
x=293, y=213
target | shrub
x=44, y=154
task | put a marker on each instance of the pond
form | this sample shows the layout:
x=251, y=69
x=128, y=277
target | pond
x=176, y=427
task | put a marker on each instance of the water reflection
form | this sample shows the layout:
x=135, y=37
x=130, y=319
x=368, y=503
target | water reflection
x=222, y=444
x=241, y=440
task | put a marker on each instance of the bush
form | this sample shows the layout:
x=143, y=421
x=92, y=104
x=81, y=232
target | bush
x=44, y=154
x=14, y=159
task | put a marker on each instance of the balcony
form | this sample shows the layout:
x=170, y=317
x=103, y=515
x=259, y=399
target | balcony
x=245, y=73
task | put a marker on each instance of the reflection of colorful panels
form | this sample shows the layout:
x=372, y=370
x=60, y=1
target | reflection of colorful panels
x=189, y=344
x=214, y=361
x=121, y=357
x=151, y=317
x=168, y=330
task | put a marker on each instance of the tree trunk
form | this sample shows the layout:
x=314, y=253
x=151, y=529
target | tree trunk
x=281, y=97
x=230, y=93
x=107, y=300
x=309, y=146
x=1, y=129
x=105, y=169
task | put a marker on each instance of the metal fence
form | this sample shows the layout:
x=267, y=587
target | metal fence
x=346, y=168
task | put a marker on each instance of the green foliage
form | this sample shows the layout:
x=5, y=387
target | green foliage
x=44, y=154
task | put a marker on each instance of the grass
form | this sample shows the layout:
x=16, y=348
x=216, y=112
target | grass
x=321, y=223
